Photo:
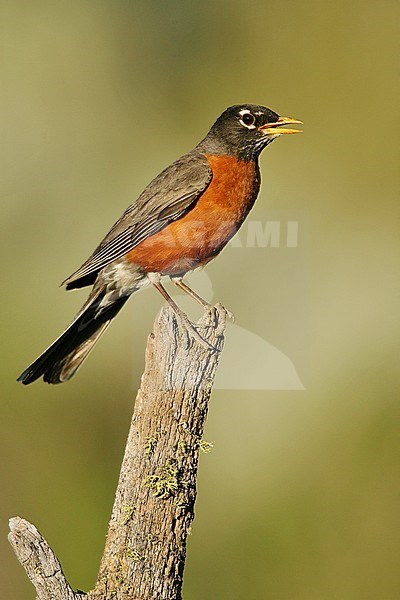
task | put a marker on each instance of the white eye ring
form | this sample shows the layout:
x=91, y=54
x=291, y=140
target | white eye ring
x=248, y=119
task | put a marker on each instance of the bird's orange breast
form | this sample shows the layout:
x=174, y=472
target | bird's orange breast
x=198, y=236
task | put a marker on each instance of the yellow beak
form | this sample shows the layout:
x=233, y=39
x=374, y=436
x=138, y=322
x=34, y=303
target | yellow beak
x=272, y=128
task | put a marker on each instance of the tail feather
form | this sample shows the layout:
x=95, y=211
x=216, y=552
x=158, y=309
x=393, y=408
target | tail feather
x=64, y=368
x=62, y=359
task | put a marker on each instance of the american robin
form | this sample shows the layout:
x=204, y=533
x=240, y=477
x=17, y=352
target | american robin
x=181, y=221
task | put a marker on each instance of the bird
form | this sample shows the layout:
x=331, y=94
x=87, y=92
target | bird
x=181, y=221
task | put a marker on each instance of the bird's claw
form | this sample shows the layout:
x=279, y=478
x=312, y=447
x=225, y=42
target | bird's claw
x=223, y=314
x=218, y=315
x=213, y=317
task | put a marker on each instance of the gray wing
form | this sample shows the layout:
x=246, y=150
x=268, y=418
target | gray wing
x=167, y=198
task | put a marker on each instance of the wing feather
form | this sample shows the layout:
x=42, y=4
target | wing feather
x=167, y=198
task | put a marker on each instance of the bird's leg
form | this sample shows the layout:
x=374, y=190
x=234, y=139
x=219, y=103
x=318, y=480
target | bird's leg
x=178, y=282
x=182, y=317
x=224, y=312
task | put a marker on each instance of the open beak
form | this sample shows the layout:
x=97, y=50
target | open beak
x=272, y=128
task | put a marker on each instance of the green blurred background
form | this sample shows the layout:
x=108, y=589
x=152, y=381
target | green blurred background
x=299, y=497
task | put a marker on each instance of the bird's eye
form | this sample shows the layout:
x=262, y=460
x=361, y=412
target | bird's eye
x=248, y=120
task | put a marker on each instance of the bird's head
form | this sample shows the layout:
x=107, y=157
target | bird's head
x=244, y=130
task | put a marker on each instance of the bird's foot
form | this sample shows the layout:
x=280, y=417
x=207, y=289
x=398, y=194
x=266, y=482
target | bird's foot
x=223, y=315
x=228, y=314
x=218, y=315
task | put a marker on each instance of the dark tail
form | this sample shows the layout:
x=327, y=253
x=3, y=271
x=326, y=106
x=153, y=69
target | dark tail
x=61, y=360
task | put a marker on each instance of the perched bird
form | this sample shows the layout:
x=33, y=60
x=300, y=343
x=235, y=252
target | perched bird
x=181, y=221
